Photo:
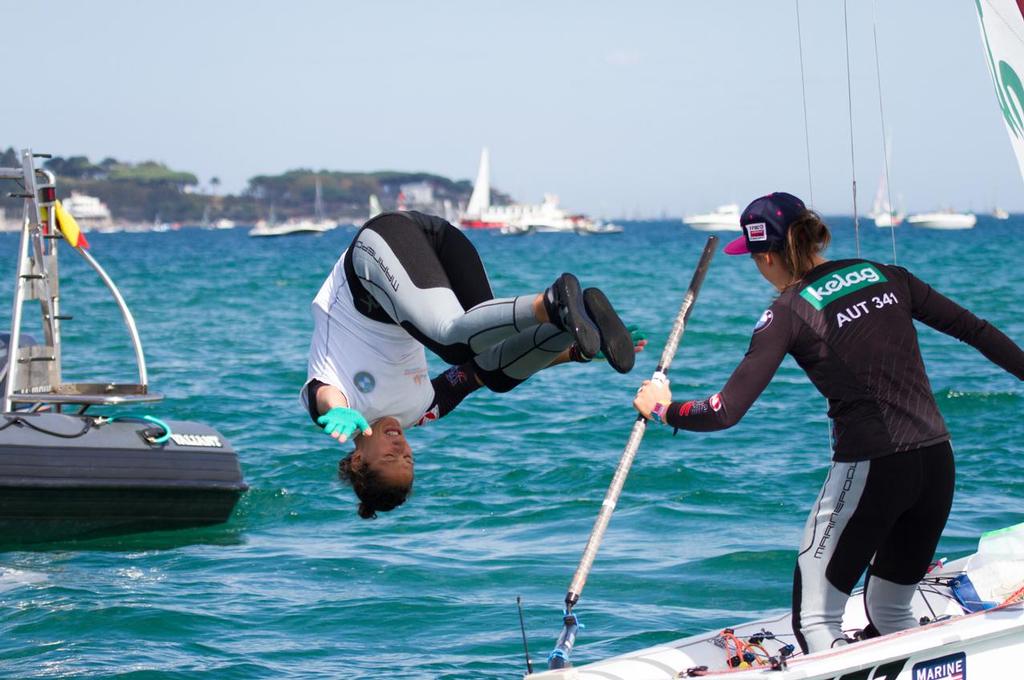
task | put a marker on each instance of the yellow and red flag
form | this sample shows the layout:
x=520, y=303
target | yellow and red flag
x=69, y=227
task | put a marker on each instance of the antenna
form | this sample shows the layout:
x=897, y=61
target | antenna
x=522, y=628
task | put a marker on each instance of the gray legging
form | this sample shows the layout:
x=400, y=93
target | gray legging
x=422, y=273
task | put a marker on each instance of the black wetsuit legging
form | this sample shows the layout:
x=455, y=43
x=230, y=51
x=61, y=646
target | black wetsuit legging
x=885, y=514
x=424, y=274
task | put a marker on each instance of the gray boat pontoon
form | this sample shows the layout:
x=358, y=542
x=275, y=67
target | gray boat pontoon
x=66, y=470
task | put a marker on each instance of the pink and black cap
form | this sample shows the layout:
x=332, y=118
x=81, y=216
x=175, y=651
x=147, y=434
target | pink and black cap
x=765, y=223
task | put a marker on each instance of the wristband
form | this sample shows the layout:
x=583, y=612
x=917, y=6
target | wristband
x=658, y=412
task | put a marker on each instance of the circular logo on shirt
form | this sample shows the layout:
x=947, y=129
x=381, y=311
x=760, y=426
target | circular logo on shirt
x=764, y=321
x=364, y=382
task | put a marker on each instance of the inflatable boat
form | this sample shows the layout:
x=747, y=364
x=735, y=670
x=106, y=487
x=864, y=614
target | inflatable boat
x=72, y=463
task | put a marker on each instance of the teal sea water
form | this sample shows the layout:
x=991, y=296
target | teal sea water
x=507, y=488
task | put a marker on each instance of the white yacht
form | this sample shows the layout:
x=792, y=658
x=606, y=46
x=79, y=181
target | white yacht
x=1000, y=214
x=89, y=211
x=946, y=219
x=724, y=218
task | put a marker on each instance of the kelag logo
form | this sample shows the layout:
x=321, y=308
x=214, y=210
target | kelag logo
x=952, y=667
x=840, y=283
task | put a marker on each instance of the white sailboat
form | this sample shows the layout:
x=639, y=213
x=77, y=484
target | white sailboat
x=548, y=216
x=972, y=617
x=724, y=218
x=881, y=210
x=318, y=224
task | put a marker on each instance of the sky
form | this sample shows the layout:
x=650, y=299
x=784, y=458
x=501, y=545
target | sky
x=636, y=109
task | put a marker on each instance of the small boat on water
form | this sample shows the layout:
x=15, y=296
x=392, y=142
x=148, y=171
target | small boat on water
x=515, y=229
x=881, y=210
x=724, y=218
x=945, y=219
x=972, y=619
x=1000, y=214
x=598, y=227
x=317, y=224
x=887, y=219
x=66, y=470
x=547, y=216
x=300, y=225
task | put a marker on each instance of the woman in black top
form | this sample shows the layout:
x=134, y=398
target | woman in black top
x=849, y=325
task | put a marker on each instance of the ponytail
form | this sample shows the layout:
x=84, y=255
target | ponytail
x=373, y=494
x=806, y=238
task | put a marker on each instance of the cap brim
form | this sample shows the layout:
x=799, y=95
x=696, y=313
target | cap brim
x=737, y=247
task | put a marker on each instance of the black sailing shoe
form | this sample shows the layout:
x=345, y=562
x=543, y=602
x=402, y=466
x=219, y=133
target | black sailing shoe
x=616, y=341
x=565, y=307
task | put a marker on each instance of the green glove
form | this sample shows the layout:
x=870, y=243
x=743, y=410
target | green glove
x=635, y=334
x=343, y=422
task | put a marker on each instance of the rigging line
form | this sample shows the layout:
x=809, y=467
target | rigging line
x=885, y=146
x=1006, y=23
x=803, y=89
x=849, y=99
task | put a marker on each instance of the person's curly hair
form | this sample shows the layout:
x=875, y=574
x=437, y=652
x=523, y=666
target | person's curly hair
x=373, y=493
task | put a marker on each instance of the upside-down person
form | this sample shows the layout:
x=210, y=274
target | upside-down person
x=850, y=326
x=410, y=281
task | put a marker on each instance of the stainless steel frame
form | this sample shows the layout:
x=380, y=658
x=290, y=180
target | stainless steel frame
x=38, y=278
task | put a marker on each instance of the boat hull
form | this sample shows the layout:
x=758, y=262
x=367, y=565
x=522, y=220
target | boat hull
x=712, y=225
x=886, y=220
x=986, y=643
x=725, y=218
x=943, y=221
x=66, y=477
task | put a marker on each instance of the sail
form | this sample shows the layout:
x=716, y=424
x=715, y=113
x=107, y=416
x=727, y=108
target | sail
x=1002, y=21
x=480, y=199
x=375, y=207
x=881, y=206
x=318, y=201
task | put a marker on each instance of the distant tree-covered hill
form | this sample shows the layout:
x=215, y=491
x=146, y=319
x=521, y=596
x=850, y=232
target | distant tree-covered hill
x=142, y=192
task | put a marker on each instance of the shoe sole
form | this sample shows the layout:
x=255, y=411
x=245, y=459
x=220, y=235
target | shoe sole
x=577, y=322
x=616, y=341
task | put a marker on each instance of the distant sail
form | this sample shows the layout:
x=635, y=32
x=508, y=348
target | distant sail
x=318, y=202
x=480, y=199
x=375, y=207
x=1002, y=21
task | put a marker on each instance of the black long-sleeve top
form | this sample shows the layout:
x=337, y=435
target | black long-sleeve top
x=849, y=325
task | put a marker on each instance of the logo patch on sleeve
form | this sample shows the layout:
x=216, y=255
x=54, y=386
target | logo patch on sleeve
x=764, y=321
x=429, y=416
x=952, y=667
x=716, y=402
x=757, y=231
